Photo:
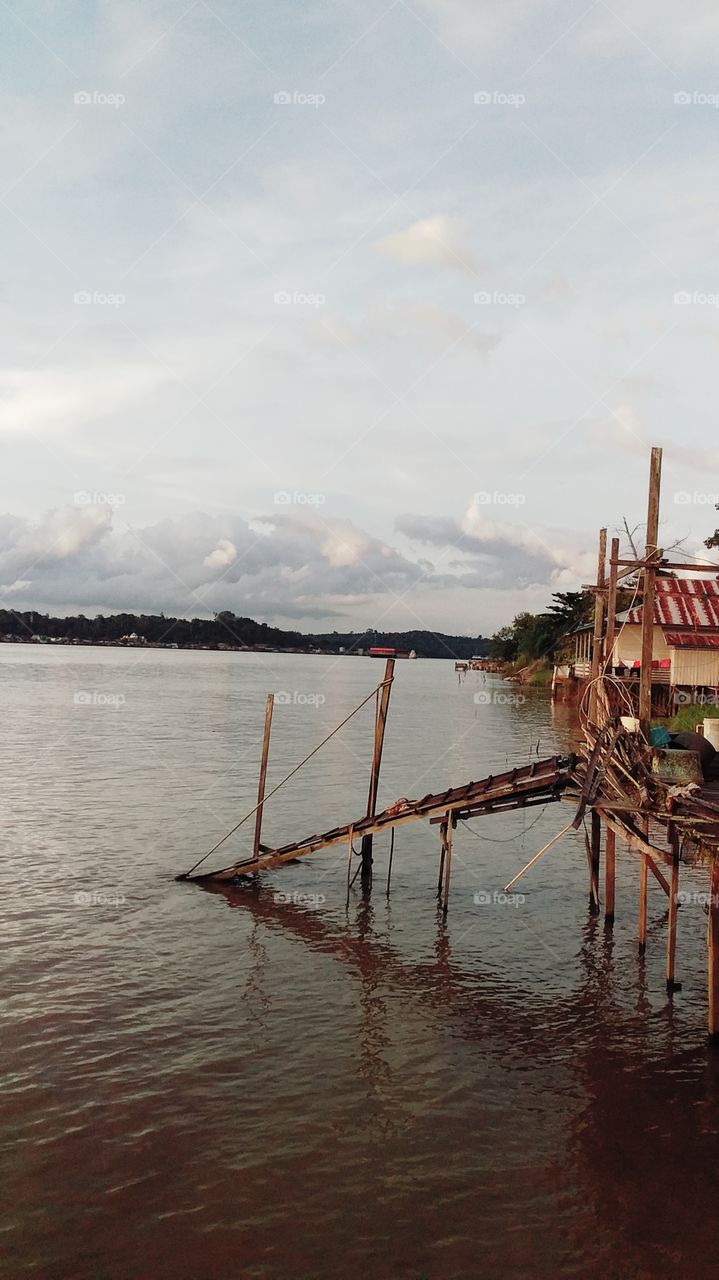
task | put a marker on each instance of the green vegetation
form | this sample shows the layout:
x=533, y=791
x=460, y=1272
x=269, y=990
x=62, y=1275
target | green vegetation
x=542, y=635
x=687, y=718
x=226, y=630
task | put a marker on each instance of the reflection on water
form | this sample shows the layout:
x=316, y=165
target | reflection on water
x=204, y=1083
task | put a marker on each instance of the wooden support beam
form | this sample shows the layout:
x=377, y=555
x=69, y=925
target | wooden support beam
x=673, y=909
x=379, y=727
x=263, y=775
x=599, y=608
x=350, y=851
x=648, y=582
x=713, y=952
x=595, y=851
x=610, y=862
x=448, y=862
x=611, y=604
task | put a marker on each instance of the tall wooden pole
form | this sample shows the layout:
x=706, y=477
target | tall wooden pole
x=599, y=607
x=611, y=603
x=379, y=727
x=263, y=774
x=649, y=576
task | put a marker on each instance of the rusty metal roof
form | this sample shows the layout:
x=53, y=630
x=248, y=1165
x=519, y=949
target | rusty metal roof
x=692, y=639
x=683, y=603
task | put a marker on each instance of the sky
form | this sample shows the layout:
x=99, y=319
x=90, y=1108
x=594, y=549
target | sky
x=345, y=315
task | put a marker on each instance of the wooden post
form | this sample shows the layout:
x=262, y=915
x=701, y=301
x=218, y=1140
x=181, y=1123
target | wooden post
x=448, y=827
x=599, y=606
x=350, y=851
x=610, y=855
x=673, y=907
x=263, y=775
x=595, y=846
x=611, y=602
x=649, y=577
x=379, y=727
x=389, y=865
x=443, y=842
x=713, y=952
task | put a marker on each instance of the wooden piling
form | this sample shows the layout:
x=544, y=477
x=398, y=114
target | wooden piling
x=389, y=864
x=448, y=827
x=442, y=844
x=649, y=577
x=673, y=909
x=610, y=862
x=713, y=952
x=595, y=852
x=379, y=728
x=350, y=851
x=263, y=774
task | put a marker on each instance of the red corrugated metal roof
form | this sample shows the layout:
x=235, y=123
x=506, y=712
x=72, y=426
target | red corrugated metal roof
x=683, y=602
x=692, y=639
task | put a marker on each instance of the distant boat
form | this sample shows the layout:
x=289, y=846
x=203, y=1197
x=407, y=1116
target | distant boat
x=385, y=651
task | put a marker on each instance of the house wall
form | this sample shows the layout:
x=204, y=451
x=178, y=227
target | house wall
x=628, y=645
x=695, y=666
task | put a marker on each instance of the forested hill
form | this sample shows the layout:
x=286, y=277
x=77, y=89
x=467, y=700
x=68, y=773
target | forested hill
x=225, y=630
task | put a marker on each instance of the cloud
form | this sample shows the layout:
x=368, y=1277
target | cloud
x=300, y=565
x=486, y=552
x=438, y=241
x=224, y=554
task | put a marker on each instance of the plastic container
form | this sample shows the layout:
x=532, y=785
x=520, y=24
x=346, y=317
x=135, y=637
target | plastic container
x=711, y=731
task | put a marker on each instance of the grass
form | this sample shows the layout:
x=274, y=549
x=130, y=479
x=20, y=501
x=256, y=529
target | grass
x=687, y=718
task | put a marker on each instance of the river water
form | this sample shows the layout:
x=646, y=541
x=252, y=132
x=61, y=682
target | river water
x=200, y=1084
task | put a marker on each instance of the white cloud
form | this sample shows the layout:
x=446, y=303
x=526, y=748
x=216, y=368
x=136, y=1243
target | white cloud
x=439, y=241
x=224, y=554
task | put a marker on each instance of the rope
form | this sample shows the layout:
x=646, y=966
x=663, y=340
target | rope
x=508, y=839
x=286, y=779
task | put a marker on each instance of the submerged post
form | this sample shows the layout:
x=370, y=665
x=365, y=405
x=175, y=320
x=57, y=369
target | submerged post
x=263, y=775
x=649, y=580
x=673, y=907
x=595, y=851
x=610, y=864
x=379, y=727
x=447, y=828
x=713, y=952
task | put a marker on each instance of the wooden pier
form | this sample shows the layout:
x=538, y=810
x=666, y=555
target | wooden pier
x=611, y=783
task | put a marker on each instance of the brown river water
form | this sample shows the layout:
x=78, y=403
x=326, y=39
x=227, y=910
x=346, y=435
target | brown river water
x=202, y=1085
